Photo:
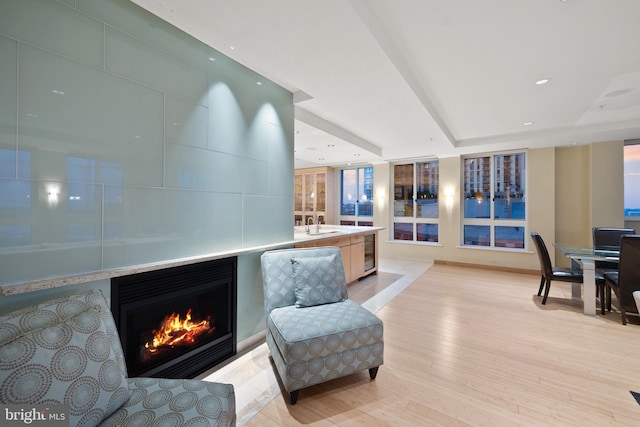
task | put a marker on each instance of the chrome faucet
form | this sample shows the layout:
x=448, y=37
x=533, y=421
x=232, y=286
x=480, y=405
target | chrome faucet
x=318, y=222
x=308, y=230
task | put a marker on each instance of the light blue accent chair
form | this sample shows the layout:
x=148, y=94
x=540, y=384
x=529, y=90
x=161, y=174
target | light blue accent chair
x=66, y=351
x=314, y=332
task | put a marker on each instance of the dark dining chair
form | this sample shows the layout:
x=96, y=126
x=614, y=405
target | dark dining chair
x=627, y=279
x=607, y=239
x=548, y=272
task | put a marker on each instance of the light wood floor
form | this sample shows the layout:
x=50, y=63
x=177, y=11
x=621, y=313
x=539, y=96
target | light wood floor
x=475, y=347
x=361, y=290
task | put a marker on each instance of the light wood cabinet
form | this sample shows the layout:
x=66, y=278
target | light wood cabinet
x=364, y=255
x=359, y=253
x=313, y=195
x=357, y=261
x=357, y=257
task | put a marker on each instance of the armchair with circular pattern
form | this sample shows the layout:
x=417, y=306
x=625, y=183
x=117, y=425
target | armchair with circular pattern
x=67, y=352
x=314, y=332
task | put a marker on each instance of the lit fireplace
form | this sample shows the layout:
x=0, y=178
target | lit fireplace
x=176, y=323
x=174, y=332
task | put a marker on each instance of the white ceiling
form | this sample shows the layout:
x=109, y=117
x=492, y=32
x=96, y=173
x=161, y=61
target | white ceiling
x=380, y=80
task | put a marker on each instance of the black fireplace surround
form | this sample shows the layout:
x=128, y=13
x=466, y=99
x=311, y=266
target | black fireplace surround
x=141, y=303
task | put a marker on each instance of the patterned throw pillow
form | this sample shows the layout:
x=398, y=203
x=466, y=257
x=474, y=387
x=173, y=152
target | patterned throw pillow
x=317, y=281
x=47, y=357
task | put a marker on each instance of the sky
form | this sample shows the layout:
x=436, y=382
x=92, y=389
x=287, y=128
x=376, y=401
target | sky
x=632, y=177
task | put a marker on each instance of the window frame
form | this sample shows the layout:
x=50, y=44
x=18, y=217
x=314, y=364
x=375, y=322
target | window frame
x=415, y=220
x=492, y=222
x=357, y=218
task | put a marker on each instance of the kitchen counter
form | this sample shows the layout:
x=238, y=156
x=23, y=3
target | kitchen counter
x=329, y=232
x=358, y=246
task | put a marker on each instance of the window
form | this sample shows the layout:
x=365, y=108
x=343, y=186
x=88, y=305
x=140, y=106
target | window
x=415, y=204
x=632, y=180
x=494, y=201
x=356, y=198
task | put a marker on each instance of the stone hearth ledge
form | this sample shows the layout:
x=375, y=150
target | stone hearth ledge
x=56, y=282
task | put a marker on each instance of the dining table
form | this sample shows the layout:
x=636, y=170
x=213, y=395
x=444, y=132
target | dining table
x=586, y=257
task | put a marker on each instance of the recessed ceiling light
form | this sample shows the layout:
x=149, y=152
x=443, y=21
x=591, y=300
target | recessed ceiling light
x=528, y=123
x=58, y=91
x=211, y=58
x=542, y=81
x=259, y=83
x=232, y=47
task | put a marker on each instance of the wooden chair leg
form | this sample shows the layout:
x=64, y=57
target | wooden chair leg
x=294, y=396
x=600, y=290
x=623, y=316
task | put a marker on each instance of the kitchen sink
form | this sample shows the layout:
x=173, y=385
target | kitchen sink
x=300, y=230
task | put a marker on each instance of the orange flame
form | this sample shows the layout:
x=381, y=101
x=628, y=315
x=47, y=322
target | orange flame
x=174, y=331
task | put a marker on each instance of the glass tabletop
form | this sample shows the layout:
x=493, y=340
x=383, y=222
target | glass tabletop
x=584, y=252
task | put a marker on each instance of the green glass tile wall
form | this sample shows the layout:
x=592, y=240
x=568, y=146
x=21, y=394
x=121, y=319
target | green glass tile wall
x=124, y=141
x=8, y=113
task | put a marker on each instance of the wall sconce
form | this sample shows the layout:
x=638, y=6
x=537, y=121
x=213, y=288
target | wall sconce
x=380, y=197
x=53, y=193
x=449, y=193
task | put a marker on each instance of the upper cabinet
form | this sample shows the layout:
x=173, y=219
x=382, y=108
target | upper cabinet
x=313, y=195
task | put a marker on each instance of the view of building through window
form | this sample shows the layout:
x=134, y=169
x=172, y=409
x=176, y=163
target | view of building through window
x=356, y=198
x=415, y=201
x=632, y=181
x=494, y=200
